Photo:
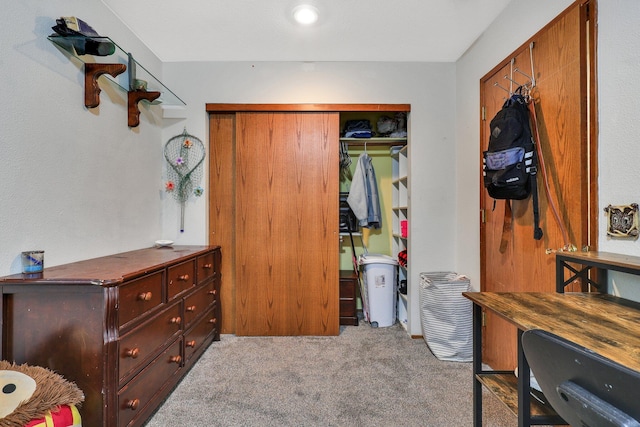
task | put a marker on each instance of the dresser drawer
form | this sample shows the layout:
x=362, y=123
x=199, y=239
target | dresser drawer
x=144, y=387
x=139, y=345
x=198, y=303
x=202, y=333
x=180, y=278
x=139, y=296
x=348, y=298
x=347, y=289
x=347, y=308
x=206, y=267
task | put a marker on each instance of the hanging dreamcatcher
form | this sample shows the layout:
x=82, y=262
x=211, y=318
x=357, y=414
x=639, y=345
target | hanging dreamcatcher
x=185, y=155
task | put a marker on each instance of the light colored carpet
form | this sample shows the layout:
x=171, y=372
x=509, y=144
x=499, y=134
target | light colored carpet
x=363, y=377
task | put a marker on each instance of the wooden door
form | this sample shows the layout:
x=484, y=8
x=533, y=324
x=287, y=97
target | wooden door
x=222, y=194
x=286, y=223
x=560, y=67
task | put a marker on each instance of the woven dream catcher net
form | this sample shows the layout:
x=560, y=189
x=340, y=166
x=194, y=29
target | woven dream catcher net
x=185, y=155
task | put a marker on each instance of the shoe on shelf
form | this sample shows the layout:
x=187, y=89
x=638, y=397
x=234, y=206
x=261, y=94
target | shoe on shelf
x=85, y=40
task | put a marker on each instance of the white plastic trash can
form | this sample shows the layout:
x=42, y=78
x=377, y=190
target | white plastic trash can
x=379, y=272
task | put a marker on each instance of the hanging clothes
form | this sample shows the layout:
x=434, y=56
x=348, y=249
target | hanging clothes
x=363, y=194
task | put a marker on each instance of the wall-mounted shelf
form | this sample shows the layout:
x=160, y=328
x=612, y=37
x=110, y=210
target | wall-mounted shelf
x=139, y=83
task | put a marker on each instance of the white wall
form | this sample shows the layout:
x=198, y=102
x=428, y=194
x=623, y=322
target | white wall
x=619, y=109
x=429, y=88
x=74, y=182
x=499, y=40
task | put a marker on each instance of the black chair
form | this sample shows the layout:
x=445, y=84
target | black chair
x=583, y=387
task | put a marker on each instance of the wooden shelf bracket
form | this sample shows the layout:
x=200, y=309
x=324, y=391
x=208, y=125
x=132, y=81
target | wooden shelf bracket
x=135, y=96
x=91, y=87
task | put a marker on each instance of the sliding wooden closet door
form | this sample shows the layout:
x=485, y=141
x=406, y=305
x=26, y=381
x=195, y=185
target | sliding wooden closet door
x=286, y=222
x=222, y=127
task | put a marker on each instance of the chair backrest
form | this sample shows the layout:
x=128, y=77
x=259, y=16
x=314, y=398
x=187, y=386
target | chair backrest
x=583, y=387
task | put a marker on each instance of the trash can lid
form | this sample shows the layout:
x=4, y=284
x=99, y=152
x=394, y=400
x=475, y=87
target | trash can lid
x=377, y=259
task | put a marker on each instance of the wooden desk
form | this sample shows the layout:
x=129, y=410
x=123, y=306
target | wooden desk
x=603, y=323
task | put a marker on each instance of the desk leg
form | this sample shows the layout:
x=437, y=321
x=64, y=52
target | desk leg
x=559, y=276
x=524, y=379
x=477, y=365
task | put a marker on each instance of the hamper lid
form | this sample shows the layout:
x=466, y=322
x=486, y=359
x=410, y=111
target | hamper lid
x=377, y=259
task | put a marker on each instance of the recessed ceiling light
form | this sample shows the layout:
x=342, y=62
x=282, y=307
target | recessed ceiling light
x=305, y=14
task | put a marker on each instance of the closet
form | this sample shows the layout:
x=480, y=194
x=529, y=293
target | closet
x=274, y=210
x=389, y=154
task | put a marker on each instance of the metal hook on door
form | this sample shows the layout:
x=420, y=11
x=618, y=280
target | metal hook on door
x=502, y=87
x=517, y=70
x=511, y=80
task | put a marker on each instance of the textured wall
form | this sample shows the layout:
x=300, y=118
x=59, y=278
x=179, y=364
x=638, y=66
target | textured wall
x=619, y=109
x=74, y=182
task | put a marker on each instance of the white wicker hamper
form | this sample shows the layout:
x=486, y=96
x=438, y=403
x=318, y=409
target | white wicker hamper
x=446, y=316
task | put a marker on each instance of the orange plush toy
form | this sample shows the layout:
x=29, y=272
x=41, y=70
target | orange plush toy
x=32, y=396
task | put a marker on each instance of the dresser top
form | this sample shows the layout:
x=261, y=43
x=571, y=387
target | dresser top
x=110, y=270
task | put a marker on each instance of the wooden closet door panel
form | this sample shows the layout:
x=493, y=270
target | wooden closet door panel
x=523, y=264
x=287, y=224
x=222, y=129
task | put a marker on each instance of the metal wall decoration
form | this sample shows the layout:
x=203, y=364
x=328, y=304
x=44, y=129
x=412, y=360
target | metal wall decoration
x=622, y=221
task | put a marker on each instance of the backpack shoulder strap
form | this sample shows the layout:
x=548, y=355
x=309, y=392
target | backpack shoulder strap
x=506, y=226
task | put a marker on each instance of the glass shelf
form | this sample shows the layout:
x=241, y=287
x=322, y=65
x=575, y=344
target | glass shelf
x=136, y=79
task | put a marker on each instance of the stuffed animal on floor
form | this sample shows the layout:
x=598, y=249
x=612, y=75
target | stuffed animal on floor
x=33, y=396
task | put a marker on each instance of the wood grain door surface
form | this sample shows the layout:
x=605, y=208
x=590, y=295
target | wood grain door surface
x=222, y=194
x=286, y=223
x=560, y=67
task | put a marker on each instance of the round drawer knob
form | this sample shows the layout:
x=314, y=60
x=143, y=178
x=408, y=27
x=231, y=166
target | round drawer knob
x=175, y=320
x=133, y=353
x=133, y=404
x=213, y=320
x=175, y=359
x=145, y=296
x=183, y=278
x=213, y=292
x=191, y=308
x=207, y=266
x=191, y=343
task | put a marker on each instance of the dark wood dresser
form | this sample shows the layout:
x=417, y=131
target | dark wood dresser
x=125, y=328
x=348, y=298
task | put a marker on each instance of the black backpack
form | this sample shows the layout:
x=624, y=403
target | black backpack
x=509, y=164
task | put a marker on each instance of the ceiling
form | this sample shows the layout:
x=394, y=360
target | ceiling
x=347, y=30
